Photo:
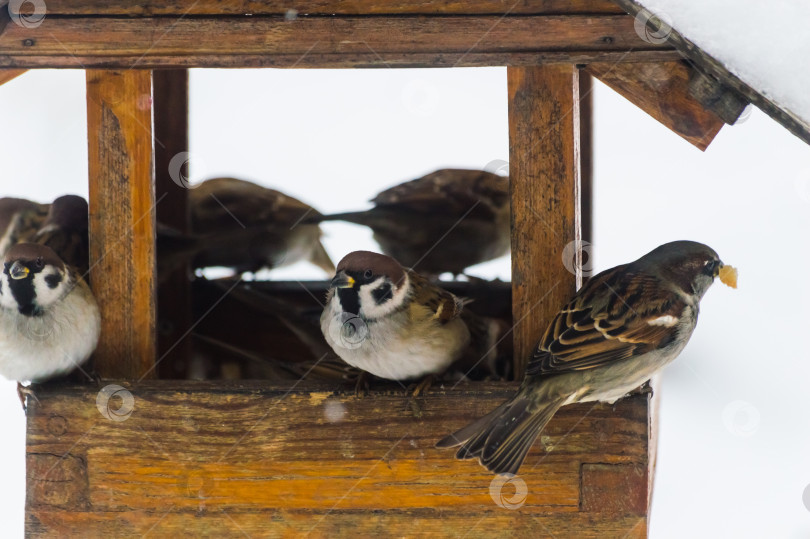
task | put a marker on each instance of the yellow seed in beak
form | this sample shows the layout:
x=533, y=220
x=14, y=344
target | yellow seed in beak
x=728, y=276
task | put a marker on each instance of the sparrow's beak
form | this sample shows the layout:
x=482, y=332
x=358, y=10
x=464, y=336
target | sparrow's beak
x=342, y=280
x=18, y=271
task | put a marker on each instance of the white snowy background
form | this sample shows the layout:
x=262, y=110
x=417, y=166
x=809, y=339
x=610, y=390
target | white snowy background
x=734, y=435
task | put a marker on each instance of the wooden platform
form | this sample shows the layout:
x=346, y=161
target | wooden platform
x=218, y=459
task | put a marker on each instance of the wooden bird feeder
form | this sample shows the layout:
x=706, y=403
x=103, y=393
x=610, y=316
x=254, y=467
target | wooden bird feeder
x=211, y=458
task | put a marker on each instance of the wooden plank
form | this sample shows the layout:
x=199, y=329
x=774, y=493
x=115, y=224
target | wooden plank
x=170, y=106
x=586, y=167
x=276, y=460
x=122, y=246
x=544, y=188
x=716, y=97
x=10, y=74
x=662, y=90
x=709, y=65
x=319, y=41
x=324, y=7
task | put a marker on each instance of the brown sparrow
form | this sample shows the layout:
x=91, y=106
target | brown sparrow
x=248, y=227
x=390, y=321
x=443, y=222
x=65, y=231
x=49, y=320
x=19, y=221
x=622, y=327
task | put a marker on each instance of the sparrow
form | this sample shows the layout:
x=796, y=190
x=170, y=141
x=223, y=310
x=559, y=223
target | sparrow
x=390, y=321
x=19, y=221
x=49, y=319
x=249, y=227
x=622, y=327
x=65, y=231
x=443, y=222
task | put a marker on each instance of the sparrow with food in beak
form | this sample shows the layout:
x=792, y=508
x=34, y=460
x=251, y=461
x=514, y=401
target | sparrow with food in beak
x=390, y=321
x=49, y=320
x=622, y=327
x=443, y=222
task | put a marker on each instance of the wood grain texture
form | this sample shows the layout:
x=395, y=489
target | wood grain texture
x=662, y=90
x=122, y=245
x=199, y=457
x=586, y=164
x=170, y=106
x=320, y=41
x=324, y=7
x=544, y=188
x=10, y=74
x=711, y=66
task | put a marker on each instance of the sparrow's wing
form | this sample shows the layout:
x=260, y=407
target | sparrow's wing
x=474, y=193
x=444, y=305
x=224, y=204
x=617, y=315
x=19, y=221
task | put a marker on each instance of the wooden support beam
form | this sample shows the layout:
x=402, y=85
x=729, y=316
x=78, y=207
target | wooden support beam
x=662, y=90
x=586, y=162
x=716, y=97
x=247, y=458
x=10, y=74
x=350, y=41
x=170, y=106
x=122, y=201
x=544, y=173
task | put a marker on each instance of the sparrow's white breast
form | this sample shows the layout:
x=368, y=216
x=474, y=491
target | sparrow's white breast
x=36, y=348
x=396, y=347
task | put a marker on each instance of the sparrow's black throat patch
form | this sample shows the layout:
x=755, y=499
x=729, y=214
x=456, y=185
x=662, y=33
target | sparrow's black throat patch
x=24, y=294
x=349, y=300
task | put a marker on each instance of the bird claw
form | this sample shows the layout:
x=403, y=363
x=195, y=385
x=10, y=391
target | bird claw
x=361, y=387
x=422, y=387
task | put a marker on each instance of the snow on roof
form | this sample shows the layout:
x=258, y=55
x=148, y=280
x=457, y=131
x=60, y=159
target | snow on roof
x=766, y=43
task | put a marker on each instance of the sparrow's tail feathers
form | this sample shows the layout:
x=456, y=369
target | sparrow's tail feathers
x=320, y=258
x=502, y=439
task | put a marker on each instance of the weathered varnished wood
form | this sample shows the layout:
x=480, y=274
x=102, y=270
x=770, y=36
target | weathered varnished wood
x=324, y=7
x=320, y=41
x=586, y=163
x=170, y=106
x=270, y=461
x=122, y=246
x=544, y=187
x=713, y=67
x=10, y=74
x=662, y=90
x=716, y=97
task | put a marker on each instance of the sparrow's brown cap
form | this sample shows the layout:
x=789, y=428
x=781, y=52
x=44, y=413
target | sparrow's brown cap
x=361, y=261
x=28, y=253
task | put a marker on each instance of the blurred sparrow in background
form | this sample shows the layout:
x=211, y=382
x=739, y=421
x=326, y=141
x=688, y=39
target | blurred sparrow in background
x=19, y=221
x=49, y=320
x=622, y=327
x=443, y=222
x=65, y=231
x=247, y=227
x=391, y=322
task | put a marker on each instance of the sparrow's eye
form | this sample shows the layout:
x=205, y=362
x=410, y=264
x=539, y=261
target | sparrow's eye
x=39, y=263
x=367, y=274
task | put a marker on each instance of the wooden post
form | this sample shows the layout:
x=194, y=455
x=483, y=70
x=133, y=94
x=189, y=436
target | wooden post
x=170, y=106
x=544, y=187
x=122, y=220
x=586, y=159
